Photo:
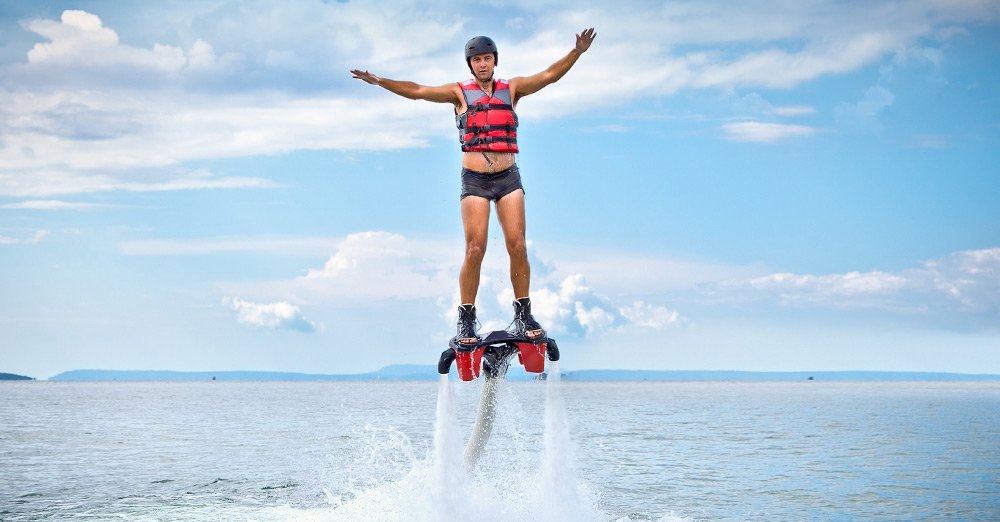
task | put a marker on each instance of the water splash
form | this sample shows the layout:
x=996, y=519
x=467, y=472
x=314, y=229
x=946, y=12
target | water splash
x=536, y=485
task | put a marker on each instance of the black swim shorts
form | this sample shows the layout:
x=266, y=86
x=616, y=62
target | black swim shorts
x=491, y=185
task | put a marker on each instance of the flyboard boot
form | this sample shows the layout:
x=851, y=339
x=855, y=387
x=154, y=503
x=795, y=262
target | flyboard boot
x=465, y=349
x=466, y=336
x=524, y=324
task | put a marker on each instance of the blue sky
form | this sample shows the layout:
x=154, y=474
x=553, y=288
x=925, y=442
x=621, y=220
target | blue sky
x=767, y=186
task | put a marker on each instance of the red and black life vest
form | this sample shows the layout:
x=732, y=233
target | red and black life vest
x=489, y=124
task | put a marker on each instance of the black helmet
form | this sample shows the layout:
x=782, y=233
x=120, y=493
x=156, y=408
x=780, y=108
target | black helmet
x=480, y=45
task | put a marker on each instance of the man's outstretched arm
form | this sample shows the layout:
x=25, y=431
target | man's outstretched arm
x=525, y=85
x=448, y=93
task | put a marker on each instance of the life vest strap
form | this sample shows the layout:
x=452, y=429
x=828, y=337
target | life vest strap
x=486, y=140
x=487, y=128
x=476, y=107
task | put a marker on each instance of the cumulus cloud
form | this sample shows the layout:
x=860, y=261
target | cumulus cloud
x=80, y=40
x=280, y=315
x=372, y=266
x=575, y=308
x=78, y=33
x=368, y=267
x=970, y=278
x=650, y=316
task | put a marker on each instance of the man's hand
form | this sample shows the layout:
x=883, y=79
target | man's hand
x=370, y=78
x=584, y=39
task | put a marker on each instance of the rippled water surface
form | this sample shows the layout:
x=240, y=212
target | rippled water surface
x=602, y=451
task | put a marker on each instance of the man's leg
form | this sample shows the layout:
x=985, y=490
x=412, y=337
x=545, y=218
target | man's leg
x=476, y=222
x=510, y=213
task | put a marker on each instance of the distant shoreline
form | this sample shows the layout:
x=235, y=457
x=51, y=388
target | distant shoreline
x=429, y=373
x=15, y=377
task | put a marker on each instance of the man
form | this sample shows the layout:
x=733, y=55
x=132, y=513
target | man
x=484, y=109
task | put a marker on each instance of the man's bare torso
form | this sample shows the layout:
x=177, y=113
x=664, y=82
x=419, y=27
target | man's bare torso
x=487, y=161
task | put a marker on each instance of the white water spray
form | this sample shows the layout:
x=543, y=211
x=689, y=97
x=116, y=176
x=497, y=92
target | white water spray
x=562, y=497
x=448, y=471
x=483, y=428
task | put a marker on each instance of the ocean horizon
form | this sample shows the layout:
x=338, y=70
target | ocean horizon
x=415, y=372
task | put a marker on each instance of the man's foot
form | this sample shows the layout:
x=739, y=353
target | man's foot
x=466, y=327
x=524, y=323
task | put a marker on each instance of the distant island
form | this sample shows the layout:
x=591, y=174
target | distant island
x=414, y=372
x=14, y=377
x=398, y=372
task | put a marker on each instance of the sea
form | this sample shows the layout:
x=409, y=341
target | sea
x=559, y=450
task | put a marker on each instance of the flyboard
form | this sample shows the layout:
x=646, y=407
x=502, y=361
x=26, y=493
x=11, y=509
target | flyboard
x=492, y=357
x=494, y=353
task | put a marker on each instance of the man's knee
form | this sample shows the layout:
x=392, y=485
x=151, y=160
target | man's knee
x=475, y=252
x=517, y=248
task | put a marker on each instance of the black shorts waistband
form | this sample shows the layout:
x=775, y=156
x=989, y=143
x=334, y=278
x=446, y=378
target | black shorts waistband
x=507, y=170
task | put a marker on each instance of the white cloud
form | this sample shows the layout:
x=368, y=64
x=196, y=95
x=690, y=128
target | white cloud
x=25, y=239
x=754, y=105
x=285, y=246
x=697, y=45
x=576, y=308
x=89, y=112
x=756, y=131
x=633, y=292
x=864, y=113
x=53, y=204
x=849, y=290
x=851, y=283
x=50, y=182
x=966, y=282
x=970, y=278
x=639, y=274
x=372, y=266
x=369, y=267
x=63, y=138
x=280, y=315
x=77, y=34
x=649, y=316
x=777, y=68
x=793, y=110
x=79, y=40
x=96, y=130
